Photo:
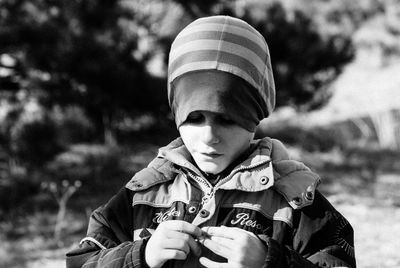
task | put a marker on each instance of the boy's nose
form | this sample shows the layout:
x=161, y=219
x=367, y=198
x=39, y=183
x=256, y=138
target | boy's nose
x=210, y=134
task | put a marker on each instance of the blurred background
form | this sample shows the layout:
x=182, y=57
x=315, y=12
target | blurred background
x=83, y=107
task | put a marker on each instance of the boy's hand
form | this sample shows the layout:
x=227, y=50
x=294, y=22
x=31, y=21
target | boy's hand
x=241, y=248
x=172, y=240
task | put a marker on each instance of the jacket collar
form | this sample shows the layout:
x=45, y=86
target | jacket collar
x=268, y=166
x=253, y=174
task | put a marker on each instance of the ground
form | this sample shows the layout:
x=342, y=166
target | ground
x=377, y=231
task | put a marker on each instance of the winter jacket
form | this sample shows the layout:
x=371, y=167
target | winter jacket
x=267, y=194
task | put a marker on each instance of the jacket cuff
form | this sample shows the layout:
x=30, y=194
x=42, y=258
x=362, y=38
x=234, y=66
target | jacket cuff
x=280, y=256
x=274, y=256
x=138, y=253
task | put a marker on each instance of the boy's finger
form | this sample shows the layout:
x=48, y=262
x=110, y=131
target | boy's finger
x=169, y=254
x=176, y=244
x=184, y=227
x=227, y=232
x=221, y=249
x=194, y=246
x=187, y=239
x=212, y=264
x=223, y=241
x=221, y=231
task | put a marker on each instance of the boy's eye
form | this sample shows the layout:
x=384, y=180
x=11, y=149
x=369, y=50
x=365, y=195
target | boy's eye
x=200, y=118
x=195, y=118
x=225, y=120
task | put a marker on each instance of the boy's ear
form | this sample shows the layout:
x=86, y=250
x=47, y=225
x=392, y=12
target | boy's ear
x=278, y=151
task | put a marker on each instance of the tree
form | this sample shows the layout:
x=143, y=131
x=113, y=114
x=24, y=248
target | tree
x=305, y=61
x=81, y=52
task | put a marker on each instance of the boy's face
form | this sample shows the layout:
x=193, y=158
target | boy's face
x=214, y=140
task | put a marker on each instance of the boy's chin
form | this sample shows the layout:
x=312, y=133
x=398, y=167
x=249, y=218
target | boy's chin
x=211, y=168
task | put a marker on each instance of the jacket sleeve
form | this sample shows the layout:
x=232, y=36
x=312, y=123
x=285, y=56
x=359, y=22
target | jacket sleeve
x=322, y=238
x=109, y=241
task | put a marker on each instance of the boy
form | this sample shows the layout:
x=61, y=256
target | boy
x=215, y=197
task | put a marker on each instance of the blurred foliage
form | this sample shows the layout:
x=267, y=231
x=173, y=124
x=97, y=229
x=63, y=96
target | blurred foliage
x=73, y=125
x=35, y=142
x=373, y=158
x=315, y=139
x=91, y=164
x=99, y=170
x=15, y=195
x=81, y=52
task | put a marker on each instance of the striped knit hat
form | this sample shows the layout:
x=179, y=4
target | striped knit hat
x=227, y=44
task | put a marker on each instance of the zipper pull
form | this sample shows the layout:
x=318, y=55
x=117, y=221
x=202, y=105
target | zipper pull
x=207, y=196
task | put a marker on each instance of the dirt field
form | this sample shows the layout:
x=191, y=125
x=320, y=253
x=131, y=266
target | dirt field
x=377, y=231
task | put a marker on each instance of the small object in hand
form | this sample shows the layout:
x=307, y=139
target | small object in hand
x=204, y=235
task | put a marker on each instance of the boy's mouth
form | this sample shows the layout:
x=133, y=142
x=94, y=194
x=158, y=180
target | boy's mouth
x=211, y=155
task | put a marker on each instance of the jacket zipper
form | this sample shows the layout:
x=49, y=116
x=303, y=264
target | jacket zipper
x=210, y=193
x=211, y=189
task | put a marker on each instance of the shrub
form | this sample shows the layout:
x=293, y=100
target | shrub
x=15, y=193
x=310, y=139
x=35, y=142
x=73, y=125
x=97, y=166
